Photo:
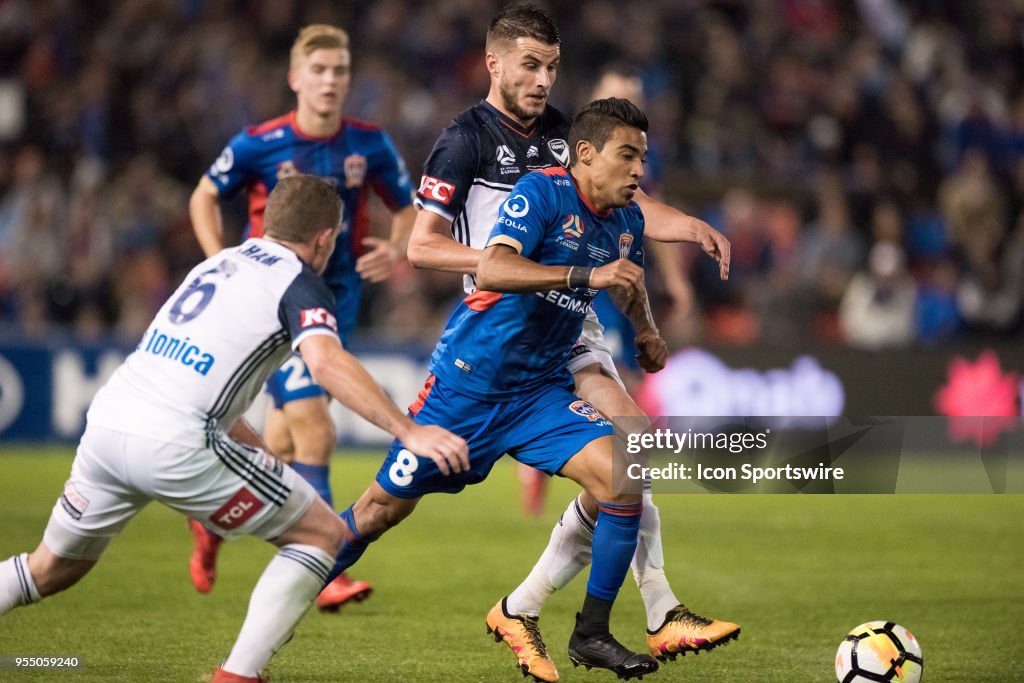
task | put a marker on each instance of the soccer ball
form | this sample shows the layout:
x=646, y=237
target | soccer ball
x=879, y=651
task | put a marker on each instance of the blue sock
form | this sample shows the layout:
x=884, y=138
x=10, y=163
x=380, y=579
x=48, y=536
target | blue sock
x=320, y=477
x=352, y=550
x=614, y=544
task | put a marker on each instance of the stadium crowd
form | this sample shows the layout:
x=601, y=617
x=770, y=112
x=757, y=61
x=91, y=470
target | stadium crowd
x=866, y=159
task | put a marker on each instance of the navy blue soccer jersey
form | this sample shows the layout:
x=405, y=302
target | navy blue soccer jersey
x=476, y=162
x=496, y=346
x=355, y=159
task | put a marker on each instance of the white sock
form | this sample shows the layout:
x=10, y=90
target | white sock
x=568, y=552
x=282, y=595
x=16, y=584
x=649, y=567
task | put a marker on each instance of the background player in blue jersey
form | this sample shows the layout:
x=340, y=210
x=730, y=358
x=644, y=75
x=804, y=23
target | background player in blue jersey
x=167, y=426
x=499, y=375
x=354, y=157
x=467, y=177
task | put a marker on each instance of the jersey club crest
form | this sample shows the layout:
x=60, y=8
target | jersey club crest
x=560, y=148
x=625, y=244
x=355, y=170
x=286, y=168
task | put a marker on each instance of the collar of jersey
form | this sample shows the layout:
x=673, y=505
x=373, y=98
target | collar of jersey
x=511, y=123
x=278, y=249
x=293, y=119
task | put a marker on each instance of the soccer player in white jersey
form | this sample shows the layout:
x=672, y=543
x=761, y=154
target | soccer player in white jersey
x=168, y=426
x=467, y=177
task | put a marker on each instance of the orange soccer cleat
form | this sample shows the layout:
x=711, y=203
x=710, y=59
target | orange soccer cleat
x=202, y=566
x=683, y=631
x=522, y=635
x=222, y=676
x=342, y=590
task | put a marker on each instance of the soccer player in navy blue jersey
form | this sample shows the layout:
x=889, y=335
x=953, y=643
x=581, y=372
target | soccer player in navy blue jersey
x=355, y=157
x=467, y=177
x=499, y=376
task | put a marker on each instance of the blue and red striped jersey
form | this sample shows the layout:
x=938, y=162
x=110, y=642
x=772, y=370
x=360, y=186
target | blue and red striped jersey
x=356, y=158
x=496, y=346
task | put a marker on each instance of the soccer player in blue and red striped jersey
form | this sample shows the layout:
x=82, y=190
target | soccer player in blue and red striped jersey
x=499, y=372
x=354, y=157
x=466, y=179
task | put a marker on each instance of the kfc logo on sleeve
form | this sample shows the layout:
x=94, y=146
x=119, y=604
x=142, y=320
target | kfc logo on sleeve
x=438, y=190
x=317, y=317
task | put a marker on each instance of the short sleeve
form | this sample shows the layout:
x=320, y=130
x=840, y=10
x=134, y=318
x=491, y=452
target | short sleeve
x=448, y=172
x=390, y=179
x=524, y=217
x=233, y=168
x=307, y=308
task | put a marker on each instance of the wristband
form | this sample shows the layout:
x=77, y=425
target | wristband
x=579, y=276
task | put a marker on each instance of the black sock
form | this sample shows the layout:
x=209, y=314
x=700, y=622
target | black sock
x=593, y=619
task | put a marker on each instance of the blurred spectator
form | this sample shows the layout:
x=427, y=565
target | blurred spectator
x=878, y=309
x=991, y=294
x=973, y=204
x=938, y=319
x=873, y=121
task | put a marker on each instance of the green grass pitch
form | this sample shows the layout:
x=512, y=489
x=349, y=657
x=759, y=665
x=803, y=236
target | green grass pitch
x=797, y=572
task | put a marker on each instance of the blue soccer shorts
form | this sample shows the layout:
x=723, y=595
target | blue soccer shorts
x=293, y=381
x=542, y=429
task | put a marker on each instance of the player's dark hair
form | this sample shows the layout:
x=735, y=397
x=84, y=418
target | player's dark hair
x=299, y=207
x=598, y=120
x=523, y=20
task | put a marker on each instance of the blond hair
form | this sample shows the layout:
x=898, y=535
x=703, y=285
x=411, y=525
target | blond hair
x=317, y=37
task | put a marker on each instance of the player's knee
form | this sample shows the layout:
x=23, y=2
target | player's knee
x=319, y=527
x=334, y=536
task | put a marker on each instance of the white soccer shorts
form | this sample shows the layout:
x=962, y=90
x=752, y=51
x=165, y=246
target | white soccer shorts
x=233, y=489
x=592, y=348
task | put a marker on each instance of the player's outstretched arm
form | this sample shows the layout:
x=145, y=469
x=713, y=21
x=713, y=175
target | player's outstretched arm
x=502, y=269
x=207, y=223
x=635, y=304
x=666, y=259
x=344, y=377
x=431, y=246
x=381, y=257
x=665, y=224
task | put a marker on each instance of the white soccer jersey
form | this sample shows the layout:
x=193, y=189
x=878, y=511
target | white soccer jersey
x=208, y=352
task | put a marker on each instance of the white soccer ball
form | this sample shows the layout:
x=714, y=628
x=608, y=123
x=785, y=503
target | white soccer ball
x=879, y=651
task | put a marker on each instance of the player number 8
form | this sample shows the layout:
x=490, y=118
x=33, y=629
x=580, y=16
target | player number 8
x=401, y=471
